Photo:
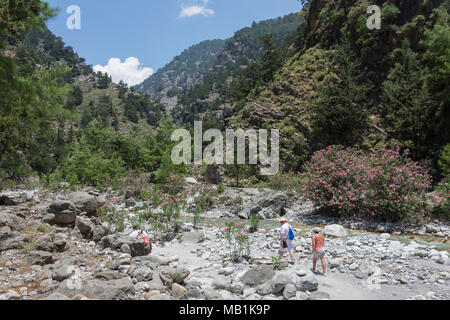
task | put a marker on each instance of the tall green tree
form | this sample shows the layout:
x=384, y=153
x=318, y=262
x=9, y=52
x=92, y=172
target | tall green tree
x=437, y=44
x=340, y=109
x=408, y=108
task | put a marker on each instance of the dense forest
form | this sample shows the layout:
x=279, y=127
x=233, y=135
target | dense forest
x=378, y=99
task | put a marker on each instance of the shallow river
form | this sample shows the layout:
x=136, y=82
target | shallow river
x=306, y=228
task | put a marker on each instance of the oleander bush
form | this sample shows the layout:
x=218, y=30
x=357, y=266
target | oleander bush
x=382, y=183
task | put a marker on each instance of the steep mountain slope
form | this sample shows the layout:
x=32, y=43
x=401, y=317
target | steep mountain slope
x=197, y=80
x=184, y=70
x=306, y=86
x=93, y=94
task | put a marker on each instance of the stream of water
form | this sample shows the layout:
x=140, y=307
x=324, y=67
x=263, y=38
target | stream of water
x=436, y=242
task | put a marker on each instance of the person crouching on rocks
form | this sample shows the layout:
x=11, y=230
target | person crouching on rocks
x=318, y=244
x=287, y=241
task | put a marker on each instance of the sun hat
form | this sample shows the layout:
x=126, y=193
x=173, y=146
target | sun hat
x=282, y=219
x=316, y=230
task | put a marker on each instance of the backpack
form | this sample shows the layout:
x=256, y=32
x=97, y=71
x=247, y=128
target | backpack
x=291, y=235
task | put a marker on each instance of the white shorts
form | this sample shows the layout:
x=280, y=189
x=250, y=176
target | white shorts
x=290, y=247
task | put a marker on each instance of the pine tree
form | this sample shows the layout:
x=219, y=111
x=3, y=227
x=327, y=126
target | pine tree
x=339, y=112
x=408, y=108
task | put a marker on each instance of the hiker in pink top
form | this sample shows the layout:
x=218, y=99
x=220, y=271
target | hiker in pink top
x=318, y=242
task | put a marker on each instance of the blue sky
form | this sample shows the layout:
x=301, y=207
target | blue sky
x=154, y=31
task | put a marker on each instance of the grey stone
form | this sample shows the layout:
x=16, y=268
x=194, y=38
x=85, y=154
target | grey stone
x=267, y=205
x=193, y=237
x=60, y=242
x=156, y=283
x=290, y=291
x=40, y=258
x=44, y=243
x=62, y=272
x=86, y=202
x=237, y=288
x=307, y=284
x=12, y=241
x=115, y=242
x=178, y=290
x=335, y=230
x=221, y=283
x=85, y=226
x=258, y=275
x=14, y=222
x=98, y=289
x=161, y=297
x=64, y=212
x=280, y=280
x=265, y=288
x=55, y=296
x=319, y=295
x=143, y=274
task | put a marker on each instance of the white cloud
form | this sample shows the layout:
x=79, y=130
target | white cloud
x=130, y=71
x=196, y=9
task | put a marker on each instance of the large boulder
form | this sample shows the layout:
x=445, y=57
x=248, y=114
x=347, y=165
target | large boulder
x=12, y=221
x=335, y=230
x=178, y=275
x=64, y=212
x=39, y=258
x=307, y=284
x=62, y=271
x=115, y=242
x=86, y=202
x=7, y=201
x=258, y=275
x=143, y=274
x=267, y=205
x=44, y=243
x=86, y=227
x=280, y=281
x=97, y=289
x=12, y=241
x=193, y=237
x=178, y=290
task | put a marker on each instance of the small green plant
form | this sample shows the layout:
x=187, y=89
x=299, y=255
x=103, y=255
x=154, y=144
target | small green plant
x=277, y=264
x=29, y=246
x=220, y=189
x=254, y=224
x=44, y=228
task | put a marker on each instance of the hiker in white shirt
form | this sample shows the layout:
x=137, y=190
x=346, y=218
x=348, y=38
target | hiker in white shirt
x=286, y=243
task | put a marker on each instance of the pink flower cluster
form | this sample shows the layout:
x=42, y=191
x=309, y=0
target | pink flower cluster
x=381, y=183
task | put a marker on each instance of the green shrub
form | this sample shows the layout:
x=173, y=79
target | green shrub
x=220, y=189
x=254, y=224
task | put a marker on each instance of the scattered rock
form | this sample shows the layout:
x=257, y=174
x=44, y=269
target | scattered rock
x=86, y=202
x=307, y=284
x=64, y=212
x=193, y=237
x=258, y=275
x=178, y=290
x=40, y=258
x=335, y=230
